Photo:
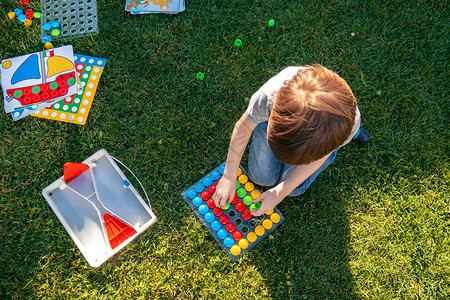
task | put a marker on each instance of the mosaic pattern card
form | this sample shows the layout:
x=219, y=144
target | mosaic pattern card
x=75, y=109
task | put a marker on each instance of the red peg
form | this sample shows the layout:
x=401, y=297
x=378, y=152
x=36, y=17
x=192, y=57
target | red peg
x=212, y=189
x=240, y=206
x=230, y=227
x=236, y=235
x=235, y=199
x=205, y=195
x=210, y=203
x=217, y=211
x=223, y=219
x=246, y=214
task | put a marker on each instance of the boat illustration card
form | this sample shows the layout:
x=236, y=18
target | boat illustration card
x=38, y=77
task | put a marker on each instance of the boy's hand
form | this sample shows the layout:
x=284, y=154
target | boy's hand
x=270, y=199
x=225, y=191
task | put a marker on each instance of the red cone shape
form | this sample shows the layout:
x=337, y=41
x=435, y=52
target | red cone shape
x=72, y=170
x=117, y=230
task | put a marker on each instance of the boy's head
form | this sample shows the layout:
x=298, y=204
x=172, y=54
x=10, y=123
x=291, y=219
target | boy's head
x=312, y=115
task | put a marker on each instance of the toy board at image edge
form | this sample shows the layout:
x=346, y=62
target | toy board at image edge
x=155, y=6
x=245, y=230
x=99, y=208
x=75, y=109
x=39, y=77
x=76, y=18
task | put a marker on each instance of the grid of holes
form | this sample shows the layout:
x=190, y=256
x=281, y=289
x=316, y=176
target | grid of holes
x=76, y=17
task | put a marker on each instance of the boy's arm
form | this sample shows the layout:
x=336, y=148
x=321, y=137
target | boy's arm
x=276, y=194
x=226, y=188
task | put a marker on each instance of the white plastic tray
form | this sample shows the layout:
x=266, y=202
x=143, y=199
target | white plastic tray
x=81, y=204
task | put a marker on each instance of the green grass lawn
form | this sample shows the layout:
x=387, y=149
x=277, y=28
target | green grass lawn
x=375, y=224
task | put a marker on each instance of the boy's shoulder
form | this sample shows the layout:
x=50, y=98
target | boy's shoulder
x=261, y=102
x=271, y=87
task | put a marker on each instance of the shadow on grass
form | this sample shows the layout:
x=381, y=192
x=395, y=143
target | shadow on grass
x=308, y=254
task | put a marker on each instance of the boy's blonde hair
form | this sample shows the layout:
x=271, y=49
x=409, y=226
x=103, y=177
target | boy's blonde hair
x=312, y=115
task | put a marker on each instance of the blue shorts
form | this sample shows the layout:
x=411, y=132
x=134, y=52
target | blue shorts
x=266, y=170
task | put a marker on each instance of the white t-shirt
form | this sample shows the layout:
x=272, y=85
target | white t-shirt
x=260, y=105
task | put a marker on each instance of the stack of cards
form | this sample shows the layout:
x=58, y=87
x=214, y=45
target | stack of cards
x=37, y=80
x=154, y=6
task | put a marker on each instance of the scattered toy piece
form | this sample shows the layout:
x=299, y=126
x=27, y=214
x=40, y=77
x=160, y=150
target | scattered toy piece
x=21, y=17
x=46, y=38
x=271, y=23
x=24, y=2
x=37, y=14
x=55, y=24
x=352, y=34
x=200, y=76
x=27, y=22
x=237, y=43
x=47, y=26
x=29, y=13
x=56, y=32
x=11, y=15
x=48, y=45
x=18, y=11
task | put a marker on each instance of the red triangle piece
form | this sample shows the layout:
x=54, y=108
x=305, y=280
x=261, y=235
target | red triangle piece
x=72, y=170
x=117, y=230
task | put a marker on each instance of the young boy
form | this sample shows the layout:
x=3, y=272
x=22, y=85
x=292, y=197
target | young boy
x=299, y=119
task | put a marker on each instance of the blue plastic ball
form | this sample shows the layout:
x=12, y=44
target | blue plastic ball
x=47, y=26
x=18, y=11
x=197, y=201
x=199, y=187
x=215, y=175
x=21, y=17
x=55, y=24
x=207, y=181
x=221, y=169
x=216, y=225
x=222, y=233
x=46, y=38
x=209, y=217
x=190, y=192
x=228, y=242
x=203, y=209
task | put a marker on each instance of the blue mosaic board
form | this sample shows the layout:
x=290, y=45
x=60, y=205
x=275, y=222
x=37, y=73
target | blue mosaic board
x=233, y=227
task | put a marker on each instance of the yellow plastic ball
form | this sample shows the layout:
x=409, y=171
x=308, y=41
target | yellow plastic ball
x=235, y=250
x=255, y=194
x=243, y=179
x=239, y=172
x=275, y=218
x=267, y=224
x=48, y=45
x=269, y=212
x=249, y=186
x=251, y=237
x=27, y=22
x=11, y=15
x=243, y=243
x=259, y=230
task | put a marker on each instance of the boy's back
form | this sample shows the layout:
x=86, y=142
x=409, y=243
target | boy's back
x=299, y=119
